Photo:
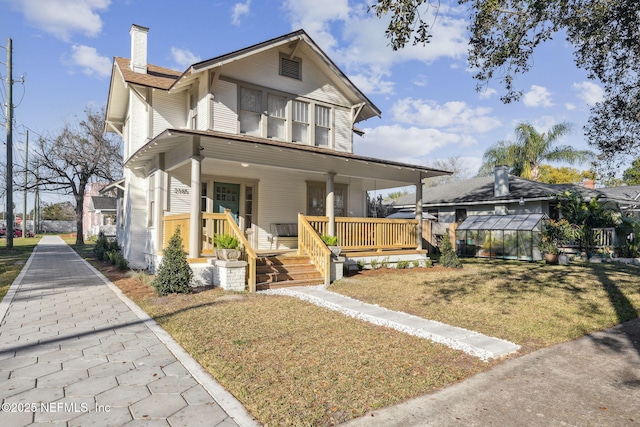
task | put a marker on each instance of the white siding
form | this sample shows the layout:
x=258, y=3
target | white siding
x=203, y=107
x=169, y=111
x=139, y=116
x=134, y=226
x=342, y=134
x=179, y=191
x=225, y=105
x=263, y=69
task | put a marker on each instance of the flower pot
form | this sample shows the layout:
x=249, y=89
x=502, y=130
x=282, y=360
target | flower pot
x=335, y=250
x=228, y=254
x=551, y=258
x=563, y=259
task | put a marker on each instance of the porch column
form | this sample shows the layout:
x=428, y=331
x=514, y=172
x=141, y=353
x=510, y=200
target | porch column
x=330, y=205
x=194, y=223
x=419, y=211
x=160, y=206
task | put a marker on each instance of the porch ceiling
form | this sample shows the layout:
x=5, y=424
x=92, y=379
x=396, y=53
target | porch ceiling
x=285, y=155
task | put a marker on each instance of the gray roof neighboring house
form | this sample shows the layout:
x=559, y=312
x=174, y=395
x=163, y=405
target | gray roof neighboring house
x=101, y=203
x=481, y=191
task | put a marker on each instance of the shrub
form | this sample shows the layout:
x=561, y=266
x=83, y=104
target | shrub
x=428, y=263
x=329, y=240
x=401, y=265
x=375, y=264
x=448, y=257
x=384, y=263
x=225, y=241
x=174, y=273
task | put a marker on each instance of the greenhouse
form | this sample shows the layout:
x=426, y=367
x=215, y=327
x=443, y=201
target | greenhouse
x=501, y=236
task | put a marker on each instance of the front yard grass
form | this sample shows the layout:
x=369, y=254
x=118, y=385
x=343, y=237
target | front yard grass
x=532, y=304
x=12, y=260
x=293, y=363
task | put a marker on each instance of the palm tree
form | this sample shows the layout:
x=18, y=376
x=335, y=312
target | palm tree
x=530, y=149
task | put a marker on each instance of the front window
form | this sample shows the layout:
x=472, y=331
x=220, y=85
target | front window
x=250, y=108
x=300, y=122
x=277, y=121
x=317, y=196
x=323, y=125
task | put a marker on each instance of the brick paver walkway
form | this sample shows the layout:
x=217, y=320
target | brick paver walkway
x=74, y=351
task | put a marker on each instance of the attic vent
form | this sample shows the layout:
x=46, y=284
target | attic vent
x=290, y=68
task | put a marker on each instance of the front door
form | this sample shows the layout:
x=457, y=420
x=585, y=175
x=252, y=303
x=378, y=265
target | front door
x=226, y=196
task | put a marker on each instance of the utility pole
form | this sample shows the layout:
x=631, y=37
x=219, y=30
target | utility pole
x=9, y=147
x=24, y=203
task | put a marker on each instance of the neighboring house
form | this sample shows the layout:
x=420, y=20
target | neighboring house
x=99, y=210
x=253, y=137
x=502, y=194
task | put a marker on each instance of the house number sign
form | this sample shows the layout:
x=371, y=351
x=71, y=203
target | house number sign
x=181, y=190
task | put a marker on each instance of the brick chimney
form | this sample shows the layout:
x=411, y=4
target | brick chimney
x=501, y=181
x=139, y=48
x=589, y=183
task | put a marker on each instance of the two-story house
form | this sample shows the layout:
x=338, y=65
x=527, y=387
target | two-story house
x=264, y=133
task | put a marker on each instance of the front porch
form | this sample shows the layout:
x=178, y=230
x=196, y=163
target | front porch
x=358, y=237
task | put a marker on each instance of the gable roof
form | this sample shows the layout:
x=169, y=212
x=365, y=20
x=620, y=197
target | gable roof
x=156, y=77
x=476, y=191
x=293, y=39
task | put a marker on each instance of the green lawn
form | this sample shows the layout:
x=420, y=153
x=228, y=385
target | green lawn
x=12, y=261
x=292, y=363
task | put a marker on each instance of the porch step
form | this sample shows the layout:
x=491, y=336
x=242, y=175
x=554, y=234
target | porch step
x=280, y=271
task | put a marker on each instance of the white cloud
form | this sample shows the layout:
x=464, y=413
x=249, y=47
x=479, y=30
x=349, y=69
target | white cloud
x=90, y=61
x=183, y=57
x=411, y=145
x=238, y=11
x=487, y=93
x=570, y=106
x=315, y=16
x=63, y=18
x=538, y=96
x=355, y=38
x=455, y=115
x=589, y=92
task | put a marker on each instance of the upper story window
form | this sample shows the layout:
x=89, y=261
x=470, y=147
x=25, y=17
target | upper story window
x=250, y=108
x=267, y=114
x=277, y=120
x=193, y=104
x=323, y=125
x=290, y=67
x=300, y=130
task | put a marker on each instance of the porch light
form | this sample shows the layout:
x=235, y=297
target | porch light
x=244, y=165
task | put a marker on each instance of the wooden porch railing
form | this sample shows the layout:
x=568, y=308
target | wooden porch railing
x=173, y=222
x=248, y=254
x=370, y=233
x=212, y=224
x=310, y=243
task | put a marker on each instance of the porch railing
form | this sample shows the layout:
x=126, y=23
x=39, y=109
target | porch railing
x=310, y=243
x=370, y=233
x=248, y=254
x=173, y=222
x=212, y=224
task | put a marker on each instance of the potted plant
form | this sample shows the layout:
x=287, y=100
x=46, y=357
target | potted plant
x=226, y=247
x=549, y=240
x=332, y=244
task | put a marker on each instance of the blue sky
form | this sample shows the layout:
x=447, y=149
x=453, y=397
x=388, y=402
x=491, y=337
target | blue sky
x=430, y=108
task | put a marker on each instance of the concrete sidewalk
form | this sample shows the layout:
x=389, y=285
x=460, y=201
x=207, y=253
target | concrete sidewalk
x=468, y=341
x=75, y=351
x=592, y=381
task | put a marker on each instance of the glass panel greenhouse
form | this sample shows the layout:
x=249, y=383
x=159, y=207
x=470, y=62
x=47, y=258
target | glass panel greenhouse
x=501, y=236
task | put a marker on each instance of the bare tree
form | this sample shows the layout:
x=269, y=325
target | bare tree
x=454, y=164
x=81, y=153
